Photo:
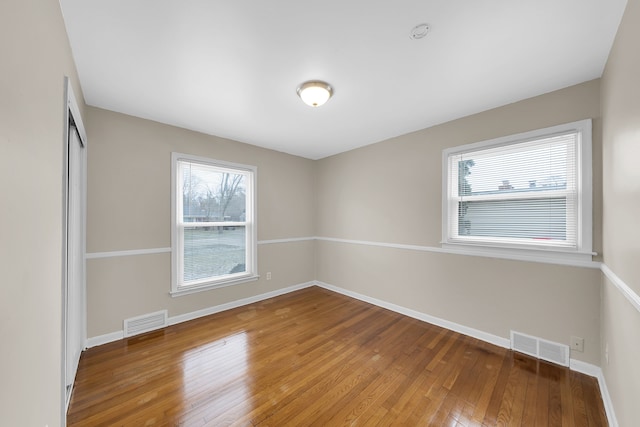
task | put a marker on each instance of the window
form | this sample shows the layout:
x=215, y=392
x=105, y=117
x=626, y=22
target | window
x=214, y=228
x=528, y=193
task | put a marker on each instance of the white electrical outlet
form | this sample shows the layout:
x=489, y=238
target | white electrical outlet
x=269, y=276
x=577, y=343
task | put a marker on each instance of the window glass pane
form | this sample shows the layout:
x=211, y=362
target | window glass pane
x=212, y=194
x=213, y=251
x=537, y=219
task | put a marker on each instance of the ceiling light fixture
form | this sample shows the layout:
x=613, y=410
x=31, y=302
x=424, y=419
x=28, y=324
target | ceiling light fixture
x=314, y=93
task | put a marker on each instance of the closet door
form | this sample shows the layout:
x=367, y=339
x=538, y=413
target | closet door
x=75, y=289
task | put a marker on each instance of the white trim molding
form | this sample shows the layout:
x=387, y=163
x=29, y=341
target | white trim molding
x=624, y=289
x=452, y=251
x=574, y=365
x=235, y=304
x=184, y=169
x=606, y=400
x=595, y=371
x=290, y=240
x=499, y=255
x=575, y=138
x=465, y=330
x=112, y=254
x=75, y=326
x=104, y=339
x=174, y=320
x=150, y=251
x=634, y=299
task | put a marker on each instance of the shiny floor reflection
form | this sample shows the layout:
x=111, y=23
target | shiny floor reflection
x=215, y=380
x=314, y=357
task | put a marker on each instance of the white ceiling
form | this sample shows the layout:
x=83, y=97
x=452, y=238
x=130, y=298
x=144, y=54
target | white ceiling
x=231, y=67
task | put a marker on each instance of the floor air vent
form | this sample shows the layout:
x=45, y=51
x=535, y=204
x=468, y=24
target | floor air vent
x=542, y=349
x=145, y=323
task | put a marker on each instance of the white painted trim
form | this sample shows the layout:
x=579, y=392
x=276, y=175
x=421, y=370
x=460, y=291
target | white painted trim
x=606, y=400
x=71, y=116
x=293, y=239
x=585, y=368
x=584, y=215
x=503, y=255
x=624, y=289
x=550, y=256
x=634, y=299
x=68, y=398
x=72, y=106
x=575, y=365
x=118, y=335
x=595, y=371
x=95, y=255
x=112, y=254
x=465, y=330
x=435, y=249
x=209, y=286
x=235, y=304
x=178, y=283
x=104, y=339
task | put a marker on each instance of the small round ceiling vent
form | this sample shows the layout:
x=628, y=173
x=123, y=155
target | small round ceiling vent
x=419, y=31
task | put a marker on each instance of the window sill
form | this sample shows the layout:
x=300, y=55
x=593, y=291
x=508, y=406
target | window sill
x=551, y=256
x=187, y=290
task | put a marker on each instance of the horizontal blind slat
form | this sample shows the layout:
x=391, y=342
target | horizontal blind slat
x=522, y=191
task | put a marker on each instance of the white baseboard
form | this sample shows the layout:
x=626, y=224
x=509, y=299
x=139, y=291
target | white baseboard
x=596, y=371
x=606, y=399
x=475, y=333
x=575, y=365
x=585, y=368
x=118, y=335
x=104, y=339
x=235, y=304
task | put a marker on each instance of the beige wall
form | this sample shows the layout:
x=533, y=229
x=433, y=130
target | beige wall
x=620, y=350
x=621, y=190
x=129, y=162
x=388, y=192
x=391, y=192
x=34, y=57
x=621, y=151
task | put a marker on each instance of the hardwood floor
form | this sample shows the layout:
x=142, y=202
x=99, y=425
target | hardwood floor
x=317, y=358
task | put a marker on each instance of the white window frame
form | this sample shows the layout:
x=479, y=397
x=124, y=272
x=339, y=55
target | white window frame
x=582, y=252
x=178, y=287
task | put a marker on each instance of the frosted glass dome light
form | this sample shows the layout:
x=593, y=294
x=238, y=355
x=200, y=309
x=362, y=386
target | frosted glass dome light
x=314, y=93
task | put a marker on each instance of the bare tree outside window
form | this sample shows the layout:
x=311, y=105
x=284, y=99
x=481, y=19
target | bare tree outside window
x=215, y=202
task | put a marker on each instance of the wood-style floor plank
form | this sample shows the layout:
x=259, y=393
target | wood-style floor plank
x=317, y=358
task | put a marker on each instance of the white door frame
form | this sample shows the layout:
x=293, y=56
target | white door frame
x=72, y=116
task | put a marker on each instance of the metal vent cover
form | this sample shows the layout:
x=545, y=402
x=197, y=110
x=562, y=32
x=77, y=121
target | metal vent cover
x=540, y=348
x=145, y=323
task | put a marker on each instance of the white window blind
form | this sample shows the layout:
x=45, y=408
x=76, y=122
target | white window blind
x=522, y=192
